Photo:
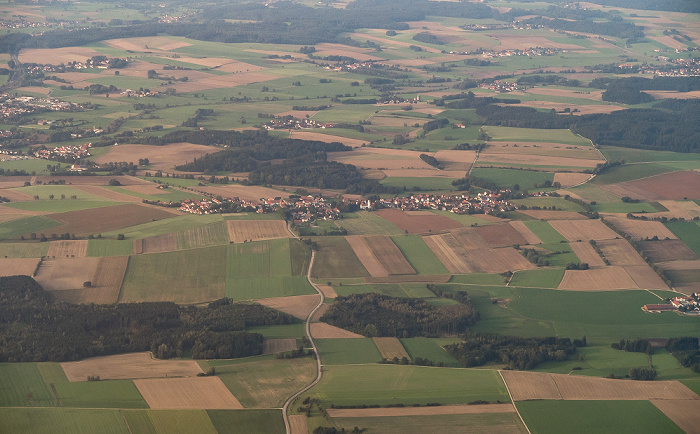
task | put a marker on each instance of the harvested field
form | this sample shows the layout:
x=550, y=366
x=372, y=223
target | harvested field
x=681, y=265
x=597, y=279
x=159, y=243
x=530, y=385
x=187, y=393
x=138, y=246
x=366, y=256
x=203, y=236
x=546, y=149
x=328, y=291
x=421, y=411
x=18, y=266
x=554, y=215
x=620, y=252
x=500, y=235
x=382, y=158
x=62, y=274
x=667, y=250
x=525, y=232
x=209, y=81
x=320, y=312
x=15, y=196
x=667, y=186
x=423, y=173
x=456, y=160
x=640, y=229
x=570, y=179
x=98, y=220
x=254, y=230
x=586, y=253
x=537, y=160
x=160, y=157
x=576, y=230
x=297, y=424
x=106, y=283
x=321, y=330
x=274, y=346
x=308, y=135
x=389, y=256
x=418, y=223
x=298, y=305
x=686, y=210
x=330, y=49
x=109, y=194
x=509, y=41
x=683, y=412
x=645, y=277
x=146, y=44
x=55, y=56
x=583, y=109
x=68, y=249
x=662, y=94
x=391, y=348
x=129, y=366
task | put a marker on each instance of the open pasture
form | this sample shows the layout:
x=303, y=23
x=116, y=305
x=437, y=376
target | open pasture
x=586, y=253
x=668, y=186
x=667, y=250
x=203, y=236
x=254, y=230
x=336, y=258
x=554, y=215
x=274, y=346
x=620, y=252
x=158, y=244
x=298, y=305
x=159, y=157
x=366, y=256
x=388, y=254
x=540, y=278
x=641, y=229
x=23, y=250
x=18, y=266
x=390, y=348
x=519, y=135
x=518, y=160
x=525, y=232
x=419, y=255
x=99, y=394
x=597, y=279
x=578, y=230
x=20, y=378
x=63, y=274
x=418, y=222
x=348, y=351
x=62, y=420
x=101, y=220
x=129, y=366
x=507, y=178
x=430, y=349
x=187, y=393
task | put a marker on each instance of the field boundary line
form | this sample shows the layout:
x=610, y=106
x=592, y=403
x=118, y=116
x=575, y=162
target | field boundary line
x=511, y=400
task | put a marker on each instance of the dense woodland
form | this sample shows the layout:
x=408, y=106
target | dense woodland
x=687, y=351
x=375, y=315
x=35, y=327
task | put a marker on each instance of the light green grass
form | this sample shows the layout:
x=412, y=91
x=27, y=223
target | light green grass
x=425, y=184
x=166, y=226
x=367, y=223
x=98, y=248
x=629, y=172
x=631, y=155
x=26, y=225
x=212, y=234
x=557, y=202
x=59, y=205
x=688, y=232
x=624, y=208
x=692, y=384
x=465, y=219
x=138, y=421
x=428, y=348
x=393, y=384
x=21, y=385
x=61, y=420
x=543, y=278
x=100, y=394
x=452, y=423
x=295, y=331
x=187, y=276
x=507, y=178
x=247, y=421
x=555, y=416
x=565, y=255
x=597, y=360
x=511, y=134
x=419, y=255
x=348, y=351
x=23, y=250
x=335, y=258
x=477, y=279
x=166, y=421
x=51, y=372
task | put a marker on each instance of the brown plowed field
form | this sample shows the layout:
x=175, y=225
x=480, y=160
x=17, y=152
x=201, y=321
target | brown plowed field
x=571, y=178
x=500, y=235
x=670, y=186
x=297, y=424
x=18, y=267
x=597, y=279
x=683, y=412
x=108, y=194
x=665, y=251
x=681, y=265
x=298, y=305
x=129, y=366
x=645, y=277
x=533, y=385
x=61, y=274
x=418, y=224
x=54, y=56
x=469, y=238
x=575, y=230
x=253, y=230
x=382, y=158
x=390, y=348
x=366, y=256
x=328, y=291
x=421, y=411
x=554, y=215
x=16, y=196
x=620, y=252
x=138, y=246
x=321, y=137
x=319, y=313
x=106, y=283
x=686, y=210
x=586, y=253
x=640, y=229
x=68, y=249
x=187, y=393
x=460, y=260
x=456, y=160
x=526, y=233
x=159, y=243
x=160, y=157
x=98, y=220
x=273, y=346
x=390, y=257
x=321, y=330
x=446, y=254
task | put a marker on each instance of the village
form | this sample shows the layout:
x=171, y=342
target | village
x=64, y=153
x=684, y=304
x=11, y=106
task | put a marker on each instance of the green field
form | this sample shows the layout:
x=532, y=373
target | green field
x=630, y=155
x=511, y=134
x=429, y=184
x=263, y=269
x=26, y=225
x=100, y=394
x=23, y=250
x=550, y=202
x=98, y=248
x=348, y=351
x=393, y=384
x=280, y=331
x=61, y=420
x=543, y=278
x=166, y=226
x=212, y=234
x=187, y=276
x=165, y=421
x=444, y=423
x=247, y=421
x=624, y=208
x=367, y=223
x=630, y=172
x=58, y=205
x=507, y=178
x=419, y=255
x=599, y=360
x=428, y=348
x=477, y=279
x=21, y=385
x=562, y=258
x=335, y=258
x=557, y=416
x=688, y=232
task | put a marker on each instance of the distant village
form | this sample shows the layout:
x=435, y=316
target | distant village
x=64, y=153
x=687, y=304
x=11, y=106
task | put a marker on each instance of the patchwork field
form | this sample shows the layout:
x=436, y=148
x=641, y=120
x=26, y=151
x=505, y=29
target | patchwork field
x=419, y=222
x=300, y=305
x=577, y=230
x=419, y=255
x=390, y=348
x=366, y=256
x=129, y=366
x=105, y=284
x=18, y=266
x=642, y=229
x=669, y=186
x=389, y=255
x=597, y=279
x=187, y=393
x=68, y=249
x=254, y=230
x=63, y=274
x=525, y=232
x=586, y=253
x=101, y=220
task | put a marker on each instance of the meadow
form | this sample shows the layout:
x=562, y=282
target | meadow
x=429, y=349
x=100, y=394
x=688, y=232
x=26, y=225
x=23, y=250
x=367, y=223
x=507, y=178
x=419, y=255
x=336, y=259
x=544, y=231
x=348, y=351
x=543, y=278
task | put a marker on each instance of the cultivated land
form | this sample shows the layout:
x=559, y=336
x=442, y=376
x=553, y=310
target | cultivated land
x=129, y=366
x=254, y=230
x=187, y=393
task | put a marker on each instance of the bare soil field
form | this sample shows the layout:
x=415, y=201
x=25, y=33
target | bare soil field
x=683, y=412
x=15, y=196
x=569, y=179
x=665, y=251
x=461, y=260
x=253, y=193
x=328, y=291
x=321, y=137
x=98, y=220
x=421, y=411
x=389, y=256
x=534, y=385
x=381, y=158
x=160, y=157
x=298, y=305
x=321, y=330
x=554, y=215
x=525, y=232
x=54, y=56
x=687, y=210
x=667, y=186
x=138, y=246
x=34, y=89
x=274, y=346
x=187, y=393
x=62, y=274
x=597, y=279
x=297, y=424
x=68, y=249
x=106, y=283
x=645, y=277
x=620, y=252
x=146, y=43
x=109, y=194
x=18, y=266
x=366, y=256
x=129, y=366
x=252, y=230
x=641, y=229
x=390, y=348
x=681, y=265
x=159, y=243
x=330, y=49
x=418, y=223
x=586, y=253
x=537, y=160
x=500, y=235
x=576, y=230
x=456, y=160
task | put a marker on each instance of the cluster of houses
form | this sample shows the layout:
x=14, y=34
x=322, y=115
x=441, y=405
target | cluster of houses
x=486, y=202
x=537, y=51
x=290, y=123
x=303, y=209
x=500, y=86
x=22, y=105
x=681, y=303
x=70, y=152
x=174, y=19
x=23, y=24
x=141, y=93
x=200, y=207
x=352, y=66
